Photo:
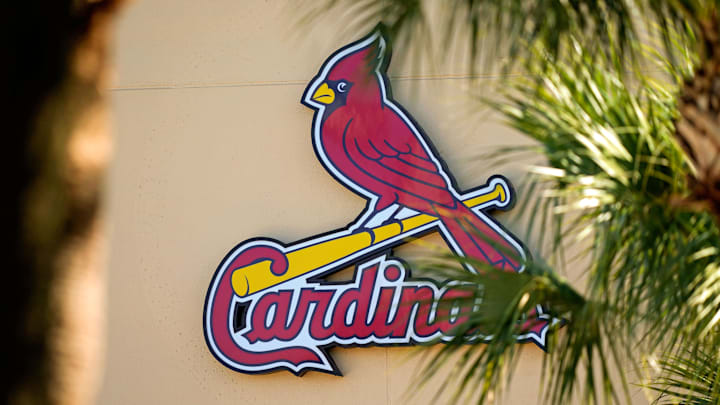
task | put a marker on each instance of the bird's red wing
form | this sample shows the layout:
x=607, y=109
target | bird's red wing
x=396, y=165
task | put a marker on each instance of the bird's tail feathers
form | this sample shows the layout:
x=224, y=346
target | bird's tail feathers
x=472, y=237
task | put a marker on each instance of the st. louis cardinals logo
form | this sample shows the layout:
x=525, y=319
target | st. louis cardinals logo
x=268, y=308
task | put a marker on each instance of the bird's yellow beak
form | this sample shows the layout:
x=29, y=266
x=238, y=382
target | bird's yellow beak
x=324, y=94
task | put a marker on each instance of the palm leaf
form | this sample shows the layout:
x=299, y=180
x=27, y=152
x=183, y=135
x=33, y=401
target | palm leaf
x=612, y=172
x=689, y=377
x=507, y=29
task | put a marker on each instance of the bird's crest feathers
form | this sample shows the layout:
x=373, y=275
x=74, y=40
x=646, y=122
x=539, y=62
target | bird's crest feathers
x=366, y=57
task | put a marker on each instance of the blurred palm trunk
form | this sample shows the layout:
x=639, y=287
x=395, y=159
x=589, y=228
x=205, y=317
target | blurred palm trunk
x=54, y=79
x=698, y=126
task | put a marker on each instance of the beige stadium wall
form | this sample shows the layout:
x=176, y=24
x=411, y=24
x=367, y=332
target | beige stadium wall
x=212, y=147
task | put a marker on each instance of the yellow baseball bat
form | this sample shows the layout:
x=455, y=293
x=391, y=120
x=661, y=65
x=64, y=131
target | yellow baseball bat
x=259, y=276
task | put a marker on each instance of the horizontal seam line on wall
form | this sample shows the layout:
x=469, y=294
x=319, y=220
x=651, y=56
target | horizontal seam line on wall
x=181, y=86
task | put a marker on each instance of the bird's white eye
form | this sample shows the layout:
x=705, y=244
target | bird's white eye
x=342, y=87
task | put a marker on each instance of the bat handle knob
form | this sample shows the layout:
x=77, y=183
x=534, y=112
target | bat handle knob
x=502, y=193
x=254, y=254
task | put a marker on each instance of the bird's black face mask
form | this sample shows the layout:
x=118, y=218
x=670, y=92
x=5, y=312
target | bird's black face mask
x=332, y=93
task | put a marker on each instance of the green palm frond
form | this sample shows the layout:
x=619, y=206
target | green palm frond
x=614, y=163
x=508, y=302
x=688, y=377
x=614, y=181
x=508, y=28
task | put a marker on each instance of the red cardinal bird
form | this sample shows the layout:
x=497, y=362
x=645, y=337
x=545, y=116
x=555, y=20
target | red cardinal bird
x=372, y=146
